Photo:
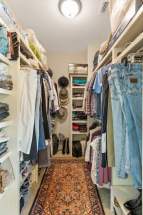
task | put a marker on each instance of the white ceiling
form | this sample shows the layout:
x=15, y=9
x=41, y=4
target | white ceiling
x=58, y=33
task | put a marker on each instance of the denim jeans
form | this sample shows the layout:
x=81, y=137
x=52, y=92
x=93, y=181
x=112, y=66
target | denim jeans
x=126, y=95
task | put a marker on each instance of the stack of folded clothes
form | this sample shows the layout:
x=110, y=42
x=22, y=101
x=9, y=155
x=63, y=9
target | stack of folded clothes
x=79, y=115
x=77, y=104
x=25, y=169
x=79, y=127
x=3, y=148
x=78, y=93
x=13, y=45
x=3, y=134
x=79, y=82
x=4, y=111
x=24, y=190
x=5, y=78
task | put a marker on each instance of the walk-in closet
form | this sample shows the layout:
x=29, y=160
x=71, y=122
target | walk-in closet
x=71, y=78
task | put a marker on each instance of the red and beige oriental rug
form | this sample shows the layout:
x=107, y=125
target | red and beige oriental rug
x=67, y=189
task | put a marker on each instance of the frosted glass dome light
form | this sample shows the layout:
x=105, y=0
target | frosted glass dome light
x=70, y=8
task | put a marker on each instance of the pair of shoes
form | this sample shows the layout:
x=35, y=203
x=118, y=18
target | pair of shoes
x=132, y=204
x=66, y=146
x=137, y=211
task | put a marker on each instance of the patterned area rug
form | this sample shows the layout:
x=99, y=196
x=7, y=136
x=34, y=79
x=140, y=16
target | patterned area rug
x=67, y=190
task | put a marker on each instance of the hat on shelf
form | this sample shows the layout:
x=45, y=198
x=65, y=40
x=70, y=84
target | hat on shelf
x=63, y=94
x=64, y=97
x=64, y=102
x=62, y=114
x=63, y=82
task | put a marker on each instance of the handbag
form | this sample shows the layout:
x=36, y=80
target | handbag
x=76, y=149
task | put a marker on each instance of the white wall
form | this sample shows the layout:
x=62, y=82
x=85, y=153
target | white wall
x=58, y=62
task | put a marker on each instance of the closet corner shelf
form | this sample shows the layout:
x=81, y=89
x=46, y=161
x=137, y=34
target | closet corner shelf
x=5, y=92
x=124, y=194
x=4, y=59
x=5, y=124
x=5, y=157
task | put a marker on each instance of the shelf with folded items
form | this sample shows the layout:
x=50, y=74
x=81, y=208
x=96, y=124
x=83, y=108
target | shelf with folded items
x=79, y=87
x=4, y=139
x=5, y=92
x=77, y=98
x=5, y=156
x=5, y=124
x=4, y=59
x=29, y=52
x=26, y=47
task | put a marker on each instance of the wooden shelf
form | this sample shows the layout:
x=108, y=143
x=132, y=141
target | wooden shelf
x=78, y=87
x=133, y=47
x=5, y=124
x=5, y=157
x=79, y=121
x=5, y=92
x=77, y=132
x=78, y=98
x=124, y=194
x=78, y=109
x=4, y=59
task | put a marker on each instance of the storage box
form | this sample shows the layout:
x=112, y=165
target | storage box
x=122, y=11
x=78, y=68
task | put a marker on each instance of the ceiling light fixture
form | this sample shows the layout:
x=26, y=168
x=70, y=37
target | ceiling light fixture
x=70, y=8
